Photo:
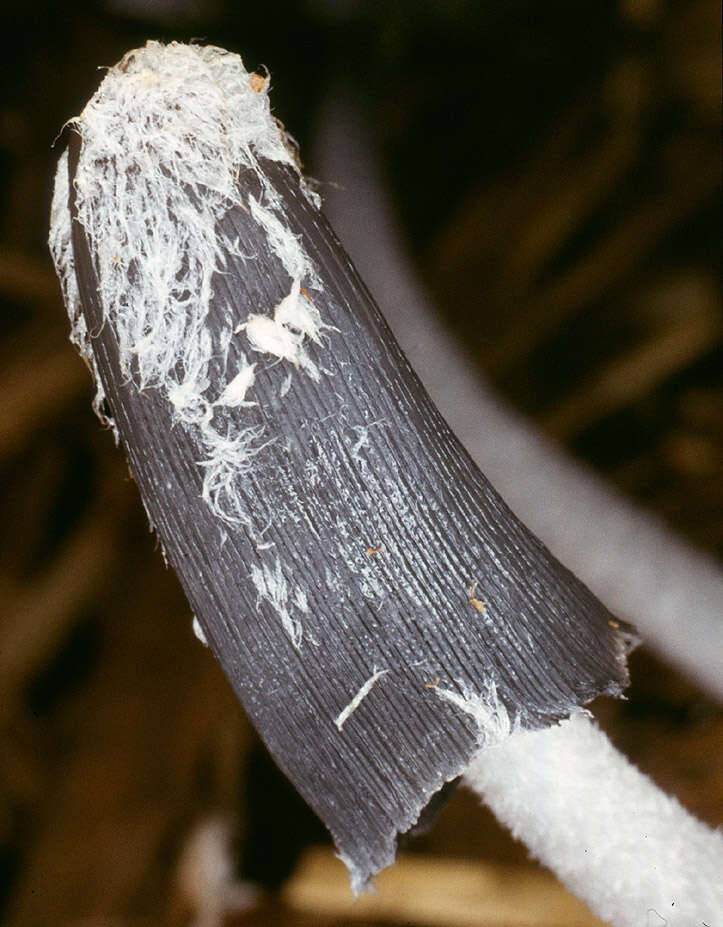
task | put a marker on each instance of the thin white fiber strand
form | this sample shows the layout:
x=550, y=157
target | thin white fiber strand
x=632, y=853
x=640, y=570
x=163, y=141
x=344, y=715
x=281, y=240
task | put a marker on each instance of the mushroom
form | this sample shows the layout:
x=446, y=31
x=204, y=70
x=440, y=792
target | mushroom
x=278, y=435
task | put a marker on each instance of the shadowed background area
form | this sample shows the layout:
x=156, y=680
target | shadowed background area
x=554, y=169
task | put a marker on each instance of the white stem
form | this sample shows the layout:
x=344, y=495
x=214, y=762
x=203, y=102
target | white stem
x=630, y=851
x=640, y=570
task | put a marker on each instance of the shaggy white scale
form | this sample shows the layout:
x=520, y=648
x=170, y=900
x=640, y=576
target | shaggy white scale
x=149, y=194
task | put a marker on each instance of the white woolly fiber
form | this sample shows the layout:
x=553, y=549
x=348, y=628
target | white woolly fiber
x=164, y=140
x=493, y=721
x=632, y=853
x=272, y=586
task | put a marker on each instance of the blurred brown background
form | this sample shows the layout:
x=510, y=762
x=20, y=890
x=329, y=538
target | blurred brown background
x=556, y=169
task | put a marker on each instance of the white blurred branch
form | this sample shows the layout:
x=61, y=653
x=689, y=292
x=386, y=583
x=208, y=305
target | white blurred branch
x=639, y=569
